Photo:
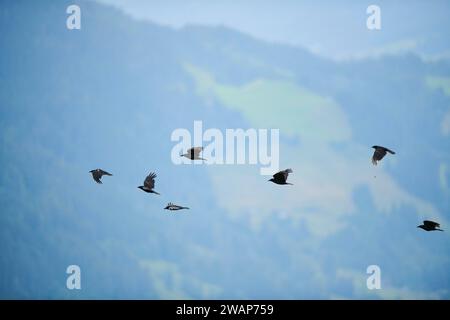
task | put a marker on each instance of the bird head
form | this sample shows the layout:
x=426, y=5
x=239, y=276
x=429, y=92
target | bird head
x=91, y=171
x=374, y=147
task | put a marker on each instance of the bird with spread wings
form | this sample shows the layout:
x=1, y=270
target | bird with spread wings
x=97, y=175
x=430, y=226
x=281, y=177
x=193, y=153
x=149, y=184
x=170, y=206
x=379, y=154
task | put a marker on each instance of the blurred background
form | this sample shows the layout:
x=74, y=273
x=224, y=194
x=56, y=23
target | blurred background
x=110, y=94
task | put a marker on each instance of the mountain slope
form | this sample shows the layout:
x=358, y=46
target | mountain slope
x=111, y=94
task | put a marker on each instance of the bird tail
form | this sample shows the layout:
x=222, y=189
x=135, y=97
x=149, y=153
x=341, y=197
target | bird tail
x=156, y=193
x=374, y=162
x=185, y=208
x=439, y=229
x=289, y=183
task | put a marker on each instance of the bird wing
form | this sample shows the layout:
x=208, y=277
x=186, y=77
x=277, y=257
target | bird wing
x=279, y=176
x=103, y=172
x=286, y=173
x=195, y=150
x=96, y=175
x=283, y=175
x=378, y=154
x=149, y=182
x=390, y=151
x=431, y=224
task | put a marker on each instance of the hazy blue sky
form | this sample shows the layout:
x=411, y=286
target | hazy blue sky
x=332, y=28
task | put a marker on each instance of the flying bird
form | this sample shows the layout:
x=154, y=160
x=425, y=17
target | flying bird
x=193, y=153
x=170, y=206
x=149, y=184
x=430, y=226
x=379, y=153
x=281, y=177
x=98, y=173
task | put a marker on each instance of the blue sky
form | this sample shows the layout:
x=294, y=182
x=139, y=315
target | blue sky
x=335, y=29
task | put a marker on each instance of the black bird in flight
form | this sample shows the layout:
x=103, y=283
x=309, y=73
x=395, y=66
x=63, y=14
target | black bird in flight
x=193, y=153
x=149, y=183
x=170, y=206
x=281, y=177
x=98, y=173
x=379, y=153
x=430, y=226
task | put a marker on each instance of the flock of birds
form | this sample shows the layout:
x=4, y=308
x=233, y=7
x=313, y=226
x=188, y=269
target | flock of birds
x=278, y=178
